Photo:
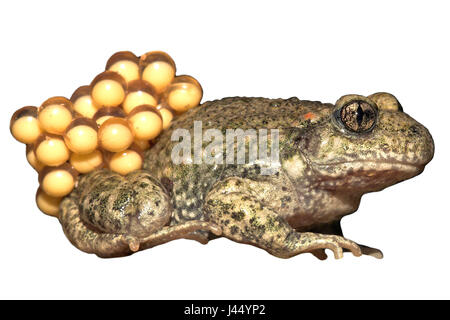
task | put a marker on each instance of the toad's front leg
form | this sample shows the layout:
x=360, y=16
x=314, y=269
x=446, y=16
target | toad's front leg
x=245, y=218
x=112, y=216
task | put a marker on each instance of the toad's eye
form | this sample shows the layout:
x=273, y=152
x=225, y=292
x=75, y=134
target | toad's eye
x=357, y=116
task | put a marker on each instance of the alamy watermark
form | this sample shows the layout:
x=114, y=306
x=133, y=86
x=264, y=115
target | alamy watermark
x=215, y=147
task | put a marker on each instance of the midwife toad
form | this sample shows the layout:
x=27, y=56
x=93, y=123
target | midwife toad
x=329, y=156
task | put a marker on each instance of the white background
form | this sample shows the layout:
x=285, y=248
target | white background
x=319, y=50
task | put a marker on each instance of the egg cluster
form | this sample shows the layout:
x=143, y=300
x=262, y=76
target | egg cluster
x=109, y=123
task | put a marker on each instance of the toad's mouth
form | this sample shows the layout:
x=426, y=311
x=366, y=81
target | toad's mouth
x=366, y=175
x=374, y=165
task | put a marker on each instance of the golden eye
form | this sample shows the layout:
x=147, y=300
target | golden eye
x=357, y=116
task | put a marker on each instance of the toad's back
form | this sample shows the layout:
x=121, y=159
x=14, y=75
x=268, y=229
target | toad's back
x=189, y=183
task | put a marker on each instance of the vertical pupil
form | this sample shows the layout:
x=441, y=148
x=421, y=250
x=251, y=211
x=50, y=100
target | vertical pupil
x=359, y=114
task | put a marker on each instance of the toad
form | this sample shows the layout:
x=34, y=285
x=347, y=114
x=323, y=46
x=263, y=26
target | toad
x=328, y=156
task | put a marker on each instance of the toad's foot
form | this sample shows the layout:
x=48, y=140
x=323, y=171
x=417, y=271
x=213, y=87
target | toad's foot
x=365, y=250
x=311, y=242
x=244, y=218
x=334, y=228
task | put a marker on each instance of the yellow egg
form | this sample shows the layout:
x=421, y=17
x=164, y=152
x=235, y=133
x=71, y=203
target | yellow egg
x=55, y=114
x=124, y=63
x=146, y=122
x=108, y=89
x=24, y=125
x=47, y=204
x=137, y=98
x=83, y=103
x=57, y=182
x=81, y=136
x=127, y=69
x=115, y=135
x=51, y=150
x=106, y=113
x=85, y=106
x=159, y=74
x=167, y=117
x=26, y=129
x=32, y=160
x=139, y=93
x=184, y=93
x=158, y=69
x=125, y=162
x=108, y=93
x=85, y=163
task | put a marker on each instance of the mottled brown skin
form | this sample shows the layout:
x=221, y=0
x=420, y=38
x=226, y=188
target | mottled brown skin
x=325, y=169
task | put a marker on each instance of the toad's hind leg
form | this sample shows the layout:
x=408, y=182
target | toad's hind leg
x=108, y=245
x=105, y=245
x=113, y=216
x=244, y=218
x=334, y=228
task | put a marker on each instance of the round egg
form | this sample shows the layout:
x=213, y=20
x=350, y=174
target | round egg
x=32, y=160
x=108, y=89
x=51, y=150
x=81, y=136
x=115, y=135
x=55, y=114
x=47, y=204
x=139, y=93
x=126, y=161
x=24, y=125
x=106, y=113
x=158, y=69
x=183, y=93
x=166, y=114
x=85, y=163
x=57, y=181
x=146, y=122
x=124, y=63
x=82, y=102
